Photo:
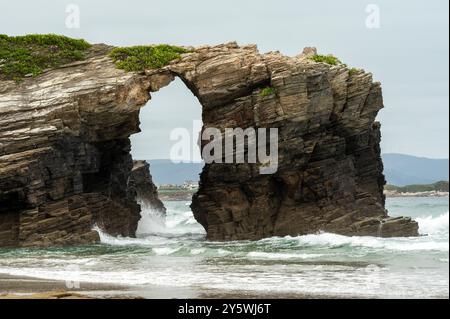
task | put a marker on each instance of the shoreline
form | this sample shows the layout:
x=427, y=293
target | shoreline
x=432, y=194
x=17, y=287
x=186, y=195
x=21, y=287
x=24, y=287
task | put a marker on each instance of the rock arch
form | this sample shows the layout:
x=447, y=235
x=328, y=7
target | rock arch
x=65, y=153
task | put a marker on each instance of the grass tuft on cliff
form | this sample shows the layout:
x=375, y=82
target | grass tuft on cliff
x=139, y=58
x=353, y=71
x=328, y=59
x=30, y=55
x=268, y=91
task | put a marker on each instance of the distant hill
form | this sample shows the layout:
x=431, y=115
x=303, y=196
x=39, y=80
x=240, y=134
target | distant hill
x=166, y=172
x=399, y=169
x=402, y=170
x=441, y=186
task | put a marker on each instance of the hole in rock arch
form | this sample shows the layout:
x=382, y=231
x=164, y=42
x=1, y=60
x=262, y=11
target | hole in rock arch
x=172, y=114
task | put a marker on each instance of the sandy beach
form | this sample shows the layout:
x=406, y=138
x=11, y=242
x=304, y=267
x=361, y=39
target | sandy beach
x=38, y=288
x=16, y=287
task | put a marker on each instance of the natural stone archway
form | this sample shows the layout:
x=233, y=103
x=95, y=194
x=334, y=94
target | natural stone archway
x=65, y=156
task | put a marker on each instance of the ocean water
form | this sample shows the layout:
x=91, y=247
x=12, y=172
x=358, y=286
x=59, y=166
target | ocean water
x=173, y=253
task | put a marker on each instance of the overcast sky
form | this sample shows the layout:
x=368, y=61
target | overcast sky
x=409, y=53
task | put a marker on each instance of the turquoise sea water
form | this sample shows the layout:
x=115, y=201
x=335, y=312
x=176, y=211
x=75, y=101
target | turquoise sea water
x=173, y=253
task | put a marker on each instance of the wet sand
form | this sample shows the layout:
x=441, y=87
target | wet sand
x=13, y=287
x=25, y=287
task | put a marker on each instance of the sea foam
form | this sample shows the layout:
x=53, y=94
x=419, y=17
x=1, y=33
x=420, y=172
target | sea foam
x=433, y=225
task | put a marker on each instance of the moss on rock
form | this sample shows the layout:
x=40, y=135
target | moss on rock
x=328, y=59
x=138, y=58
x=353, y=71
x=29, y=55
x=267, y=91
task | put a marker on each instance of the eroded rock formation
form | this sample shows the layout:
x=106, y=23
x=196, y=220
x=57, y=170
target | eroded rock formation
x=141, y=182
x=65, y=153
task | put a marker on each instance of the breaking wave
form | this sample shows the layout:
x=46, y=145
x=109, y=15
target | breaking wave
x=167, y=235
x=433, y=225
x=172, y=251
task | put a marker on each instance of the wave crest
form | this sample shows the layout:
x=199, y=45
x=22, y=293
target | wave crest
x=433, y=225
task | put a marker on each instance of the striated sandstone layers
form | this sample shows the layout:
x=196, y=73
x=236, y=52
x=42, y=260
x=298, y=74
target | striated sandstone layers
x=65, y=153
x=330, y=170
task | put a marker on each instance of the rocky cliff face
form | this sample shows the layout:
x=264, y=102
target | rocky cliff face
x=65, y=153
x=146, y=192
x=329, y=174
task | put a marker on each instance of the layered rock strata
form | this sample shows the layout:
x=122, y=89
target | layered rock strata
x=65, y=152
x=146, y=191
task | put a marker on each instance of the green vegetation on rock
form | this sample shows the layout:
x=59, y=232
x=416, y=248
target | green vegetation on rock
x=268, y=91
x=441, y=186
x=140, y=58
x=329, y=59
x=353, y=71
x=29, y=55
